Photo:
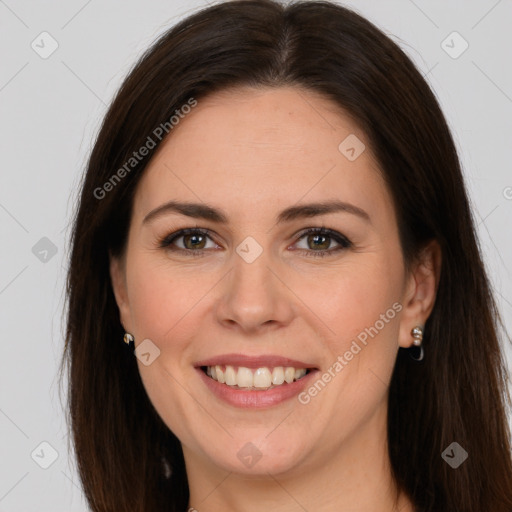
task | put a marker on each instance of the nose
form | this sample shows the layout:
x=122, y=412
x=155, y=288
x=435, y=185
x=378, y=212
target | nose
x=255, y=296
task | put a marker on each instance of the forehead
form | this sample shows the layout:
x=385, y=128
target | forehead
x=260, y=148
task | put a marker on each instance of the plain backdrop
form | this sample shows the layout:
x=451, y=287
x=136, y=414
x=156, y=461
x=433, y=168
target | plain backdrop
x=50, y=111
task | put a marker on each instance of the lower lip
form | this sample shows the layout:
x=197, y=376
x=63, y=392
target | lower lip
x=258, y=398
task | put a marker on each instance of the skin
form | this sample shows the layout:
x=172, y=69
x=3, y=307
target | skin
x=252, y=153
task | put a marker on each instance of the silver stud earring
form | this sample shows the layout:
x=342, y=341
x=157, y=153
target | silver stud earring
x=417, y=334
x=129, y=340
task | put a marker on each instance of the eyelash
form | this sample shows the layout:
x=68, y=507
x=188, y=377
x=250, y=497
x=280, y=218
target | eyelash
x=345, y=243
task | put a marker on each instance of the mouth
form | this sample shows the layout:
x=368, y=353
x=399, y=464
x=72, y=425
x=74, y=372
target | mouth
x=254, y=379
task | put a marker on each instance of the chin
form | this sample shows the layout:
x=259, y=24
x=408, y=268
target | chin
x=257, y=456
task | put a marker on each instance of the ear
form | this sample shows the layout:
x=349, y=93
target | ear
x=118, y=279
x=420, y=292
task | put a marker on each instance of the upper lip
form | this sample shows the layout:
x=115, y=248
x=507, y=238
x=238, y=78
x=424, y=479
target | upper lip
x=269, y=361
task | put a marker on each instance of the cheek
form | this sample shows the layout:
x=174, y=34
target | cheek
x=162, y=307
x=162, y=298
x=361, y=313
x=355, y=301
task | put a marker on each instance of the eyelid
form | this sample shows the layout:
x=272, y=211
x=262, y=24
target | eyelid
x=342, y=241
x=336, y=235
x=167, y=240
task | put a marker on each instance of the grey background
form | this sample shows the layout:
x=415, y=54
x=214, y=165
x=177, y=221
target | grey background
x=50, y=110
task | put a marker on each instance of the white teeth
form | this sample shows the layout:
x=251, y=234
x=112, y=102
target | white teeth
x=230, y=376
x=244, y=377
x=260, y=378
x=299, y=373
x=289, y=373
x=220, y=375
x=278, y=375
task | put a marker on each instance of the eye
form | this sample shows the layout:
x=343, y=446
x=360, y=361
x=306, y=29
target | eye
x=321, y=239
x=193, y=241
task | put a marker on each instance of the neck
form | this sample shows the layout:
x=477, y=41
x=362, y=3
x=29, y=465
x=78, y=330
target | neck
x=355, y=477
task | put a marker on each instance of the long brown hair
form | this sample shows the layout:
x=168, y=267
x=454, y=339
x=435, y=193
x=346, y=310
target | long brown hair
x=127, y=458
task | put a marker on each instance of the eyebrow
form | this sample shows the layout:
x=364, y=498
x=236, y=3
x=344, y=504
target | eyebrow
x=203, y=211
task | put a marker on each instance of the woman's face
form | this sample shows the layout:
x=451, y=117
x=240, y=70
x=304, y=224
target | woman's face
x=261, y=294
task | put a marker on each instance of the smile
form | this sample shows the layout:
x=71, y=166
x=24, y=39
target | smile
x=253, y=379
x=255, y=382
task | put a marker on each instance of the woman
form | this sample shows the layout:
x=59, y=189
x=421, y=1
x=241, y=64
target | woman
x=275, y=222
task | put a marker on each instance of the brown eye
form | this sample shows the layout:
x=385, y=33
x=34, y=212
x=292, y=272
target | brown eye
x=194, y=241
x=319, y=241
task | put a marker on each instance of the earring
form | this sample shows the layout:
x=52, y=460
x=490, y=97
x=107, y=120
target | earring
x=129, y=340
x=417, y=334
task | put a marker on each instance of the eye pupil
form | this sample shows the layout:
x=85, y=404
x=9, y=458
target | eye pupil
x=316, y=237
x=194, y=244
